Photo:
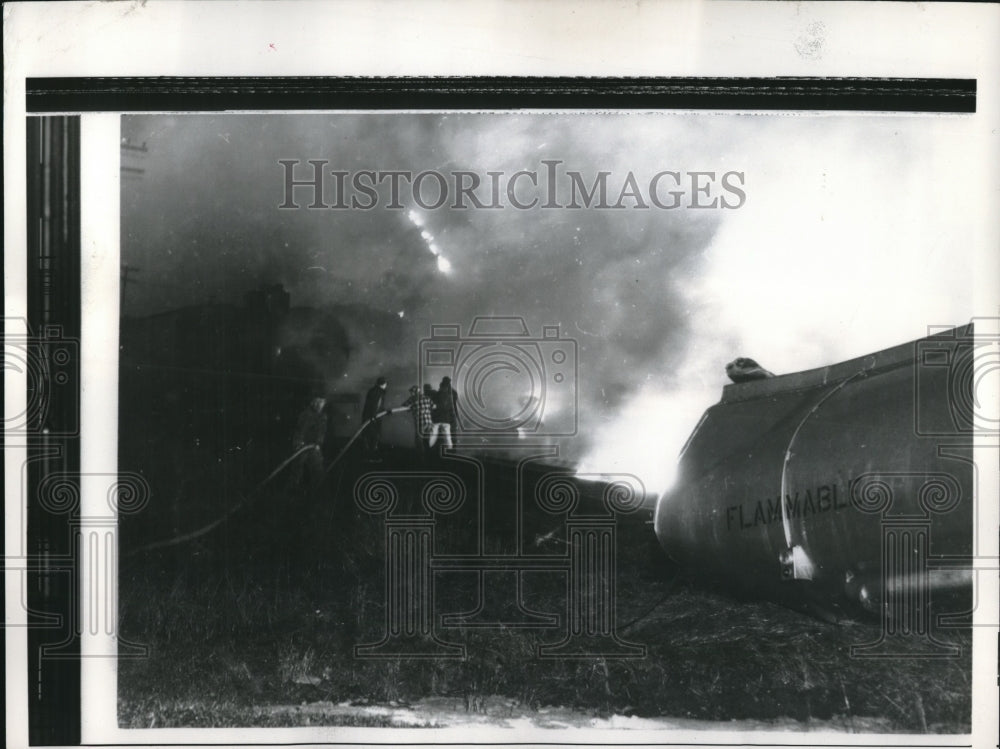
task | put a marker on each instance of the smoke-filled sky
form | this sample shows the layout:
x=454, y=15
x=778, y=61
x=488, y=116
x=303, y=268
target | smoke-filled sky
x=852, y=233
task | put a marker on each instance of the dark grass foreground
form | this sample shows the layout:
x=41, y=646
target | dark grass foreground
x=266, y=611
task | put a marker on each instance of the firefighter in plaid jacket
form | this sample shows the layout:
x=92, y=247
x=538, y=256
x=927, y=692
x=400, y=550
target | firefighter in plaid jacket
x=421, y=407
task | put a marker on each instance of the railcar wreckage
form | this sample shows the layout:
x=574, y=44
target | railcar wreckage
x=851, y=484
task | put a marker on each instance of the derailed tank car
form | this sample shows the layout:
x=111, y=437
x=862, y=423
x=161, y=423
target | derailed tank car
x=848, y=484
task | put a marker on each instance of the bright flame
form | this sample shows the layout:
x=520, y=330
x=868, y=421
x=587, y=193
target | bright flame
x=647, y=436
x=443, y=265
x=415, y=218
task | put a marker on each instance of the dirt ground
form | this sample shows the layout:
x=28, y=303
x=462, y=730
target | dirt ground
x=255, y=623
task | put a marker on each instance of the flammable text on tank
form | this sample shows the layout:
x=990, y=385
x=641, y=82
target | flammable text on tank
x=812, y=500
x=825, y=476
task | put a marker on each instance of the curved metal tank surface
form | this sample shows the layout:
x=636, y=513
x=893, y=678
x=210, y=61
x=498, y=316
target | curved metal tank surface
x=852, y=476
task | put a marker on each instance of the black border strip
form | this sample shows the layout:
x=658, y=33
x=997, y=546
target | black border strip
x=52, y=429
x=187, y=94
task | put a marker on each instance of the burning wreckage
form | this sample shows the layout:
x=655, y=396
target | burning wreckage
x=841, y=489
x=844, y=487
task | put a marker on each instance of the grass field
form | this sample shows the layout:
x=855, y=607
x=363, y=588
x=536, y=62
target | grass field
x=265, y=612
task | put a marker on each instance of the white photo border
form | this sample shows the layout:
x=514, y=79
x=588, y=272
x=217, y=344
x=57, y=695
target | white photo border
x=438, y=38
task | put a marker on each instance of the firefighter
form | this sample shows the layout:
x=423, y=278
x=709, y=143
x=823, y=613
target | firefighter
x=310, y=429
x=374, y=405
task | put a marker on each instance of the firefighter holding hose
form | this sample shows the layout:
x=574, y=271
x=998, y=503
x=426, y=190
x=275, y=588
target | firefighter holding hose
x=310, y=429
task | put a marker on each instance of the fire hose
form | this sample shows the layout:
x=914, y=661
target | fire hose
x=245, y=499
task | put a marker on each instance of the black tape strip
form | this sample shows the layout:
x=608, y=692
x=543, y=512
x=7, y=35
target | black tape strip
x=46, y=95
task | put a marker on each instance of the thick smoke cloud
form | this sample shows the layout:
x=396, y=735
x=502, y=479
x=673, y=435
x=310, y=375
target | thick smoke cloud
x=202, y=222
x=855, y=235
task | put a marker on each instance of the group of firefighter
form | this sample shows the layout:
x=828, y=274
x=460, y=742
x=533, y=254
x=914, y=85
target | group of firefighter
x=434, y=414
